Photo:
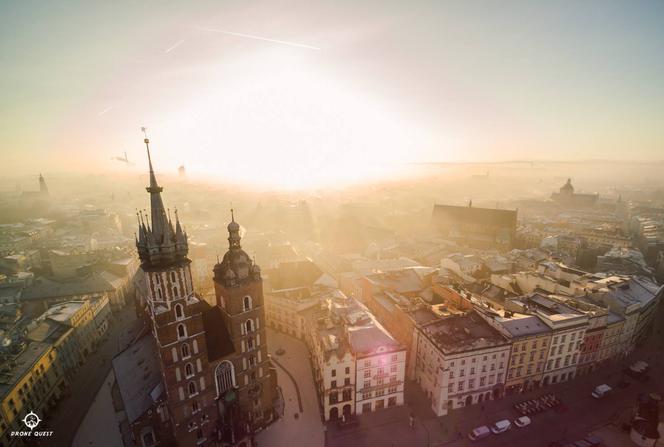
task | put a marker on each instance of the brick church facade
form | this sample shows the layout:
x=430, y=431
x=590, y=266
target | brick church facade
x=211, y=382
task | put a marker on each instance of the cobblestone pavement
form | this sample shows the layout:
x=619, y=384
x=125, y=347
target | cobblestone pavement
x=99, y=428
x=295, y=428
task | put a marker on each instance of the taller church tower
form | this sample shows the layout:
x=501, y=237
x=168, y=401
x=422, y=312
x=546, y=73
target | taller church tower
x=239, y=293
x=176, y=317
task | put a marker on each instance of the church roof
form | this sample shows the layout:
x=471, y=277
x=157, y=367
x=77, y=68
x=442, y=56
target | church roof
x=138, y=374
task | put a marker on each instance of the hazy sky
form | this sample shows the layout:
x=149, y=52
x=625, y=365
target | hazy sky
x=330, y=88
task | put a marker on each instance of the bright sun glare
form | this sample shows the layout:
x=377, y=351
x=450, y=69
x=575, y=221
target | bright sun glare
x=278, y=121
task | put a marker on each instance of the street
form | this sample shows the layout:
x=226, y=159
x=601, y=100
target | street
x=71, y=410
x=297, y=427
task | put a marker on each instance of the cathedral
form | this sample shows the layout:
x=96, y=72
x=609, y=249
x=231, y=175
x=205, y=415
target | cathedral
x=199, y=375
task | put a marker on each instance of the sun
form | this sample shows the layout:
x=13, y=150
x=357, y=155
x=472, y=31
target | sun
x=282, y=122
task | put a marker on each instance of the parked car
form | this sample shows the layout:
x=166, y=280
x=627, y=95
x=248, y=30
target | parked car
x=501, y=426
x=636, y=373
x=479, y=433
x=594, y=441
x=601, y=391
x=522, y=421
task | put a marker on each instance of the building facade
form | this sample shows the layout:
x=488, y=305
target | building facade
x=460, y=361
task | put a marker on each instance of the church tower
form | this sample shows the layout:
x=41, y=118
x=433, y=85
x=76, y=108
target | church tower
x=177, y=324
x=239, y=293
x=43, y=189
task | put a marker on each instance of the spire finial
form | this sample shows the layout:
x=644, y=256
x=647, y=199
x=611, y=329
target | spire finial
x=232, y=214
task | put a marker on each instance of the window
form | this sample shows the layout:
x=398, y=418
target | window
x=184, y=350
x=246, y=303
x=472, y=370
x=250, y=343
x=482, y=381
x=460, y=386
x=395, y=358
x=471, y=384
x=393, y=368
x=148, y=438
x=189, y=370
x=194, y=407
x=334, y=373
x=248, y=326
x=333, y=384
x=178, y=311
x=182, y=331
x=224, y=375
x=192, y=388
x=367, y=373
x=450, y=387
x=347, y=381
x=461, y=373
x=172, y=276
x=347, y=370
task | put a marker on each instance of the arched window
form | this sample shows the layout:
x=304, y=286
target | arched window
x=194, y=407
x=182, y=331
x=172, y=276
x=159, y=294
x=224, y=375
x=178, y=311
x=175, y=292
x=248, y=326
x=184, y=349
x=189, y=370
x=192, y=388
x=247, y=303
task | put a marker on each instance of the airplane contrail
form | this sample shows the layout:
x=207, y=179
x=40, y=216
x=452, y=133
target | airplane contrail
x=250, y=36
x=104, y=111
x=174, y=46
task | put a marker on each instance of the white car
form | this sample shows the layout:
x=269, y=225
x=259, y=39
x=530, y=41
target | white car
x=501, y=426
x=522, y=421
